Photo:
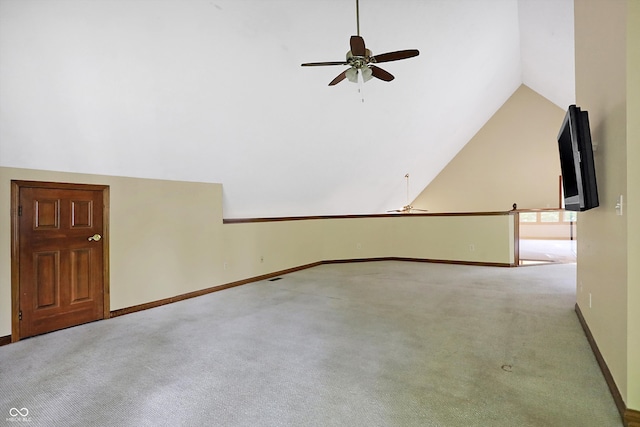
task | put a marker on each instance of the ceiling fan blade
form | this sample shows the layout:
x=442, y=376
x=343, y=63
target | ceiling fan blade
x=339, y=78
x=381, y=74
x=357, y=46
x=316, y=64
x=394, y=56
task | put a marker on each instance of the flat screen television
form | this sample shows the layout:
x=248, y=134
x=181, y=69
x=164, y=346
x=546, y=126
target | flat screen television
x=576, y=161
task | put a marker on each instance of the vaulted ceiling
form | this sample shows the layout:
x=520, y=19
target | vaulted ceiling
x=213, y=91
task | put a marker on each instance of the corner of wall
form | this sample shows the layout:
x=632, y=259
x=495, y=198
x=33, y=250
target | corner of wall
x=512, y=159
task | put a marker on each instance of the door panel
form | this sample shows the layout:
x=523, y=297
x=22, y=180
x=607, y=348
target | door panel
x=80, y=275
x=47, y=214
x=81, y=214
x=61, y=271
x=47, y=268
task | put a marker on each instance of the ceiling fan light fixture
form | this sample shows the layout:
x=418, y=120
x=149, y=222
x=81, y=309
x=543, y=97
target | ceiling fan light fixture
x=352, y=75
x=367, y=74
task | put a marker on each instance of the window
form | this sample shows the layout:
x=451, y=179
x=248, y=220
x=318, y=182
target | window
x=529, y=217
x=548, y=217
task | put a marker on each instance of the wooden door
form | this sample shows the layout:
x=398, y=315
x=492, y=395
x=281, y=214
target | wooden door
x=61, y=262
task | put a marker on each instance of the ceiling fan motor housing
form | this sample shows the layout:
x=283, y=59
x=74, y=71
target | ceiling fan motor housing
x=359, y=61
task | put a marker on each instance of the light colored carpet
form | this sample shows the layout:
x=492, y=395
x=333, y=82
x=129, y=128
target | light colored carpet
x=548, y=250
x=362, y=344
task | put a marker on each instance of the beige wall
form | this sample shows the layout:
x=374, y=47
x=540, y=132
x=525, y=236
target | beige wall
x=254, y=249
x=633, y=204
x=607, y=242
x=547, y=231
x=167, y=238
x=160, y=234
x=512, y=159
x=453, y=238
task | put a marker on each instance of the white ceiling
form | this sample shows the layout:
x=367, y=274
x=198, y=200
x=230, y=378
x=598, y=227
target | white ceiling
x=547, y=49
x=213, y=91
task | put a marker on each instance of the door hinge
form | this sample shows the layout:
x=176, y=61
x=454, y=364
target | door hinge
x=20, y=315
x=19, y=210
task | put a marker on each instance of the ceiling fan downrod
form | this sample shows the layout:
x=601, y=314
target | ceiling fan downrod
x=358, y=17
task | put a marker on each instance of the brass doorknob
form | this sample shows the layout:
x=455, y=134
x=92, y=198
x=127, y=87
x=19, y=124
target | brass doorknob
x=95, y=238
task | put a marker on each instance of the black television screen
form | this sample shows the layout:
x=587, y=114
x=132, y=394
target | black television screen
x=576, y=161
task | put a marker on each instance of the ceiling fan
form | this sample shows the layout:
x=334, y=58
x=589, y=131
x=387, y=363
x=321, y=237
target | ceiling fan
x=360, y=60
x=408, y=208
